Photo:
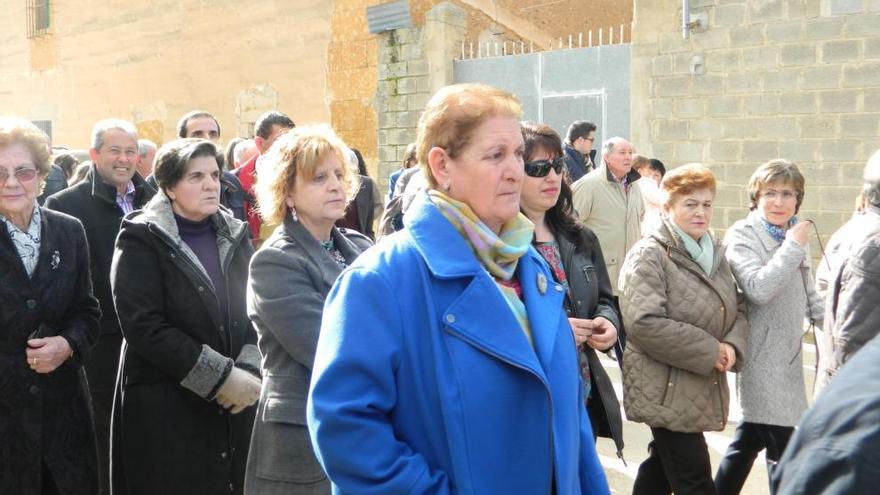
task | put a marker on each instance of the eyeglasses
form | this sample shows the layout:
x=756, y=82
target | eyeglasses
x=23, y=174
x=540, y=168
x=771, y=195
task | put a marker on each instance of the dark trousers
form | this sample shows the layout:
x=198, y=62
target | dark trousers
x=677, y=462
x=101, y=369
x=748, y=441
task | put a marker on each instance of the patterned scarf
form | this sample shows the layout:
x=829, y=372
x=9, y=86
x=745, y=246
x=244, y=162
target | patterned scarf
x=777, y=233
x=498, y=253
x=27, y=242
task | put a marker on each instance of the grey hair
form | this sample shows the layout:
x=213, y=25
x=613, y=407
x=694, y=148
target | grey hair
x=105, y=125
x=872, y=179
x=610, y=143
x=144, y=146
x=241, y=147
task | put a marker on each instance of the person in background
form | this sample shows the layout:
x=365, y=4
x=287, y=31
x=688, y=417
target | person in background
x=59, y=176
x=48, y=326
x=578, y=149
x=303, y=191
x=409, y=161
x=839, y=247
x=366, y=204
x=575, y=258
x=445, y=350
x=146, y=155
x=268, y=127
x=190, y=368
x=768, y=252
x=687, y=329
x=607, y=202
x=836, y=447
x=202, y=125
x=854, y=288
x=68, y=163
x=80, y=173
x=111, y=189
x=651, y=172
x=229, y=153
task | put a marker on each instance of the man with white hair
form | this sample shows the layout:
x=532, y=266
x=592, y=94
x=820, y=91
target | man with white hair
x=110, y=190
x=610, y=204
x=243, y=152
x=146, y=154
x=851, y=316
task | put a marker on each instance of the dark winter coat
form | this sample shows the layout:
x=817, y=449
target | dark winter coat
x=590, y=297
x=836, y=447
x=169, y=435
x=93, y=202
x=46, y=417
x=290, y=277
x=851, y=316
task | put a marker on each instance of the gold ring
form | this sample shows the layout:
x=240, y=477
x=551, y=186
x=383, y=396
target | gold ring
x=35, y=361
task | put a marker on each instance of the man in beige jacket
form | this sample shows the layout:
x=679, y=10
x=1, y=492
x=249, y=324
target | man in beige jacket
x=608, y=202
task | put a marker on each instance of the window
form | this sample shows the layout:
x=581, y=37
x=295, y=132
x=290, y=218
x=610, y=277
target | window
x=37, y=17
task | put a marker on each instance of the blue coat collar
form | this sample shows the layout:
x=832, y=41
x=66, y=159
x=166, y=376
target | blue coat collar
x=448, y=256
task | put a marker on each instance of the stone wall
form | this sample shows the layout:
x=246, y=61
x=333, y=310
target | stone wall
x=797, y=79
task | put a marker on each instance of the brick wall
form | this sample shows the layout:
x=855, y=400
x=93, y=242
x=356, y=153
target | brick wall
x=798, y=79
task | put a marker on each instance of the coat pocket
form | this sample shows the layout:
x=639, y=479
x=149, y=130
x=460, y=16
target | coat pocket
x=283, y=449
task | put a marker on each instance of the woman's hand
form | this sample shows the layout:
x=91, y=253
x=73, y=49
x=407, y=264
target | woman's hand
x=726, y=357
x=604, y=334
x=799, y=232
x=46, y=354
x=582, y=329
x=240, y=390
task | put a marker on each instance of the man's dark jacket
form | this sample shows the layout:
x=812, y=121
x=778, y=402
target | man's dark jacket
x=93, y=202
x=836, y=447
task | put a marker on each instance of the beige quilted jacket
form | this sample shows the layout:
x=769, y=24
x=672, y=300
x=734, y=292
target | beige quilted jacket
x=674, y=317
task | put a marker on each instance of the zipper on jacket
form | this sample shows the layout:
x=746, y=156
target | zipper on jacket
x=543, y=382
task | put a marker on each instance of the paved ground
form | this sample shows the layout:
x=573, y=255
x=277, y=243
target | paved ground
x=637, y=436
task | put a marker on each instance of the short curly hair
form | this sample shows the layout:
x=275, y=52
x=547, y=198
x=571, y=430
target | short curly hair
x=295, y=156
x=453, y=113
x=685, y=180
x=778, y=171
x=17, y=130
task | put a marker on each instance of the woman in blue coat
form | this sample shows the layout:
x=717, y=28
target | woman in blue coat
x=445, y=363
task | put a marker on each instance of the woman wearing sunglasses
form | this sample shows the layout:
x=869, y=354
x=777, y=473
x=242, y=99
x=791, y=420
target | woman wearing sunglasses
x=575, y=258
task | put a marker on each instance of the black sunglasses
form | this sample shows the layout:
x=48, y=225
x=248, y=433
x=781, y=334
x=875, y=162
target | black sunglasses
x=540, y=168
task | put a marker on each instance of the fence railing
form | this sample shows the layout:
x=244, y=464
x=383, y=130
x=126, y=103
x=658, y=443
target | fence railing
x=613, y=35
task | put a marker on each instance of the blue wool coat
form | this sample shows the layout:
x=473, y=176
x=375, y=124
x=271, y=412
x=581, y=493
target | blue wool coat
x=424, y=382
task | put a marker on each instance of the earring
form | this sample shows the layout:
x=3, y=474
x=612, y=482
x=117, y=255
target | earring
x=293, y=214
x=447, y=187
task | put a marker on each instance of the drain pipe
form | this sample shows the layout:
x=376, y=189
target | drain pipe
x=685, y=19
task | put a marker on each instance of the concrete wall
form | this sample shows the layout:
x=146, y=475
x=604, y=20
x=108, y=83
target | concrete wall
x=798, y=79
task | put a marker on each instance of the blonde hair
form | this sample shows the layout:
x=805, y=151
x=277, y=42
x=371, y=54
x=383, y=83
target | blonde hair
x=778, y=170
x=453, y=113
x=295, y=156
x=685, y=180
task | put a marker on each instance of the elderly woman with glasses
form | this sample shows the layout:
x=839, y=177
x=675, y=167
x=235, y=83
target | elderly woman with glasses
x=769, y=254
x=48, y=325
x=445, y=362
x=575, y=258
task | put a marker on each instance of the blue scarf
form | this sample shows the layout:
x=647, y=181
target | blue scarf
x=777, y=233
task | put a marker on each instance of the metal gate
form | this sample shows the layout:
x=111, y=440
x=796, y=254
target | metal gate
x=559, y=87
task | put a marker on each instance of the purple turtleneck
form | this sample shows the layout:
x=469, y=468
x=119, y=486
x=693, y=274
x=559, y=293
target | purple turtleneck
x=202, y=239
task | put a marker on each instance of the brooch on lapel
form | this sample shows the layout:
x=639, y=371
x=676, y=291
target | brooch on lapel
x=56, y=259
x=542, y=284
